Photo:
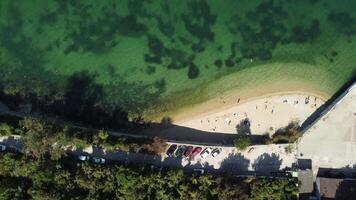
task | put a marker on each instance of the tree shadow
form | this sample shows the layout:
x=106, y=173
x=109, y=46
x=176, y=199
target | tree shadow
x=243, y=128
x=200, y=165
x=82, y=93
x=235, y=163
x=171, y=161
x=267, y=163
x=176, y=133
x=81, y=104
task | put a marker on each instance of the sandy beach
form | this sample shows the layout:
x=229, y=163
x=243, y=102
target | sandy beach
x=264, y=114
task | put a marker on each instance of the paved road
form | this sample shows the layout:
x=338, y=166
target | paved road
x=229, y=161
x=233, y=163
x=263, y=158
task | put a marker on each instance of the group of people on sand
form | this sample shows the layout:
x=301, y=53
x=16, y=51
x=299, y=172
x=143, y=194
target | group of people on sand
x=236, y=117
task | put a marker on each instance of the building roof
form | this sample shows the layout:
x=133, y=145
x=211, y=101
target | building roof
x=335, y=188
x=306, y=179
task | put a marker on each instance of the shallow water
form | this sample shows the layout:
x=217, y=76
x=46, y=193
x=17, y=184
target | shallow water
x=156, y=55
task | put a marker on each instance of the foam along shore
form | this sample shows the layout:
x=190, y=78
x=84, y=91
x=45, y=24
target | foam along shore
x=265, y=114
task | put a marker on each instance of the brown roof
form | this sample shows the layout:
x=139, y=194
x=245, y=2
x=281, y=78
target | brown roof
x=334, y=188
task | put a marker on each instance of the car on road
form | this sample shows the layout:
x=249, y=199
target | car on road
x=200, y=171
x=171, y=150
x=83, y=157
x=196, y=151
x=2, y=147
x=188, y=151
x=216, y=152
x=180, y=151
x=98, y=160
x=206, y=152
x=281, y=174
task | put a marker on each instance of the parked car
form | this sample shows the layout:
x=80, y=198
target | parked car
x=196, y=151
x=180, y=151
x=200, y=171
x=216, y=152
x=83, y=157
x=206, y=152
x=2, y=147
x=188, y=151
x=171, y=150
x=281, y=174
x=98, y=160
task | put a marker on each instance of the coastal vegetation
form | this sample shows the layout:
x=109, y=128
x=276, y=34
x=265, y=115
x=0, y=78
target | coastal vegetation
x=24, y=177
x=288, y=134
x=43, y=138
x=241, y=143
x=100, y=63
x=45, y=171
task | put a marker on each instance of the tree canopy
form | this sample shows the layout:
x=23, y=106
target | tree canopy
x=45, y=171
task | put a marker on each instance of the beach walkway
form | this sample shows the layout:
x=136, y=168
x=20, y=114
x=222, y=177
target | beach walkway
x=330, y=142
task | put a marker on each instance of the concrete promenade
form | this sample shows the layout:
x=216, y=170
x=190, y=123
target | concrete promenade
x=330, y=142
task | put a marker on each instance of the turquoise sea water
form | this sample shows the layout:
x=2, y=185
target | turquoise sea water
x=156, y=55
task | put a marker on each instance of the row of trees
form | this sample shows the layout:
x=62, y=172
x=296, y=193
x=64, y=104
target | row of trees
x=287, y=134
x=24, y=177
x=44, y=171
x=41, y=138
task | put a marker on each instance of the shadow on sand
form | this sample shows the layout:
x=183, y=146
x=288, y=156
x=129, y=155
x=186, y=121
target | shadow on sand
x=194, y=136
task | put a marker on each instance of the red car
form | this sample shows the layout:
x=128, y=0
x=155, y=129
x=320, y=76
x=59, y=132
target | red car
x=188, y=151
x=196, y=151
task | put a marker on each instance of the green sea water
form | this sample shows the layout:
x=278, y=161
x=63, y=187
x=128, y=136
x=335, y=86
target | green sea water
x=151, y=56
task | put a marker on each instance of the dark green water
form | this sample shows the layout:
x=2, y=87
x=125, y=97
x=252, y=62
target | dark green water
x=142, y=54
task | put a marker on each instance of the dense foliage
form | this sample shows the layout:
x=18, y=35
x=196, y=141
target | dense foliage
x=44, y=171
x=287, y=134
x=241, y=143
x=39, y=136
x=23, y=177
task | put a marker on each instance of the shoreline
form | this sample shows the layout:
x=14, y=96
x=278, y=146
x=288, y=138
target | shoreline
x=248, y=84
x=230, y=98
